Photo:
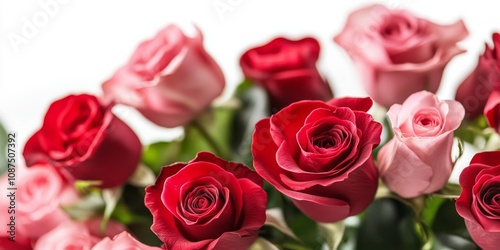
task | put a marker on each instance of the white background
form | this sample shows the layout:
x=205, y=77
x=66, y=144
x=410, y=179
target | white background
x=84, y=42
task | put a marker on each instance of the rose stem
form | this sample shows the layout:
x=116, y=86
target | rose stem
x=210, y=140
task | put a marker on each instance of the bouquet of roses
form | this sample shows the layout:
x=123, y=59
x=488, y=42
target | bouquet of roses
x=282, y=164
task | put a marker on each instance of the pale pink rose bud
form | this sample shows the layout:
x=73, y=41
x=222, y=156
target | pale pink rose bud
x=418, y=159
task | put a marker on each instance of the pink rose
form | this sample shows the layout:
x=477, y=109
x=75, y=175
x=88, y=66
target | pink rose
x=418, y=159
x=40, y=192
x=397, y=53
x=68, y=235
x=287, y=70
x=492, y=111
x=479, y=202
x=319, y=155
x=170, y=79
x=475, y=89
x=76, y=235
x=120, y=242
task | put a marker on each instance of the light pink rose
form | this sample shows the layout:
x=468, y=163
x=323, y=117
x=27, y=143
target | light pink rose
x=40, y=192
x=81, y=235
x=122, y=241
x=418, y=159
x=68, y=235
x=170, y=79
x=397, y=53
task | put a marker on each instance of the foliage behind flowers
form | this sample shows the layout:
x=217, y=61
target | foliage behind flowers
x=282, y=164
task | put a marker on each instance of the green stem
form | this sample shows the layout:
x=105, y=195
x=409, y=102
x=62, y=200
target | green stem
x=387, y=124
x=209, y=138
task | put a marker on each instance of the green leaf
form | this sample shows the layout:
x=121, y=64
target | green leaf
x=460, y=145
x=450, y=191
x=142, y=177
x=3, y=154
x=110, y=197
x=210, y=132
x=86, y=207
x=122, y=213
x=493, y=142
x=332, y=233
x=304, y=227
x=243, y=87
x=388, y=224
x=473, y=132
x=275, y=218
x=263, y=244
x=449, y=228
x=132, y=211
x=159, y=154
x=84, y=186
x=416, y=204
x=254, y=107
x=432, y=205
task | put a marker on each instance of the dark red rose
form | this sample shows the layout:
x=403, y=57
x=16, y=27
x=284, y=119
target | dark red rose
x=287, y=70
x=479, y=202
x=476, y=88
x=207, y=203
x=319, y=155
x=18, y=243
x=83, y=137
x=492, y=110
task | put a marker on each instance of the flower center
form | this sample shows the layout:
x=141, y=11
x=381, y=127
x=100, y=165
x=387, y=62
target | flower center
x=327, y=136
x=427, y=122
x=397, y=27
x=201, y=199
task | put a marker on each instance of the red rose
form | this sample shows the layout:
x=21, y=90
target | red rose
x=83, y=137
x=170, y=78
x=319, y=155
x=287, y=70
x=479, y=202
x=18, y=244
x=207, y=203
x=475, y=89
x=492, y=111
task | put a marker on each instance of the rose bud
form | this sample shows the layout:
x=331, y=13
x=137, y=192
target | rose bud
x=122, y=241
x=207, y=203
x=418, y=159
x=319, y=155
x=287, y=70
x=170, y=79
x=397, y=53
x=479, y=202
x=476, y=88
x=84, y=138
x=492, y=111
